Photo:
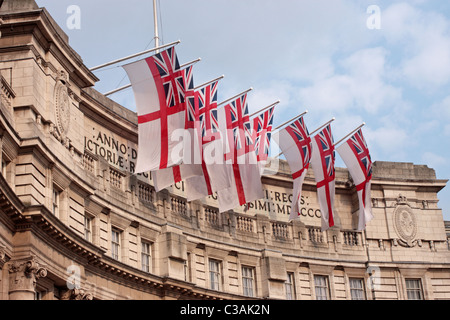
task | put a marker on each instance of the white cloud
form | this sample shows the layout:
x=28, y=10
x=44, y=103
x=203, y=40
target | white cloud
x=359, y=86
x=423, y=39
x=441, y=109
x=264, y=96
x=433, y=160
x=388, y=143
x=439, y=115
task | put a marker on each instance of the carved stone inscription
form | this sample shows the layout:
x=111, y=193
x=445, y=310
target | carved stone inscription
x=116, y=152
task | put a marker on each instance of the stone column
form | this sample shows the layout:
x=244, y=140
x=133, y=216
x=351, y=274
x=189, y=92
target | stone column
x=3, y=259
x=22, y=278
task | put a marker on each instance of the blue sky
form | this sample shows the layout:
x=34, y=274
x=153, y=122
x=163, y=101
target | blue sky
x=316, y=55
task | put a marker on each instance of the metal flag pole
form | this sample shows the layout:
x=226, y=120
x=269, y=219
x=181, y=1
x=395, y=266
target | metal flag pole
x=292, y=120
x=323, y=126
x=190, y=63
x=129, y=85
x=235, y=97
x=135, y=55
x=312, y=133
x=155, y=22
x=117, y=90
x=264, y=109
x=350, y=134
x=209, y=82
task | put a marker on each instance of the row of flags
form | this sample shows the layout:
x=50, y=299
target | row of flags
x=303, y=151
x=185, y=136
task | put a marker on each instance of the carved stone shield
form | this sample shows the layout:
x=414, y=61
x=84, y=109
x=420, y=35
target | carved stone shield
x=405, y=223
x=62, y=104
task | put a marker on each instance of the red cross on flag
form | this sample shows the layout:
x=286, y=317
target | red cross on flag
x=214, y=175
x=356, y=157
x=323, y=161
x=190, y=152
x=159, y=89
x=296, y=145
x=240, y=157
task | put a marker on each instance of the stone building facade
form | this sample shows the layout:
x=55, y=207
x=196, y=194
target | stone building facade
x=77, y=223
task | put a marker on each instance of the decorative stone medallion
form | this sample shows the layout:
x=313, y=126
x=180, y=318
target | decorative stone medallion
x=62, y=104
x=405, y=224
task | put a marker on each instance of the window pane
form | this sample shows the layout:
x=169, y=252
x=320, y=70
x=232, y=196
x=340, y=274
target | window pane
x=115, y=244
x=321, y=284
x=290, y=286
x=87, y=229
x=247, y=281
x=214, y=274
x=357, y=289
x=187, y=268
x=414, y=289
x=55, y=202
x=146, y=256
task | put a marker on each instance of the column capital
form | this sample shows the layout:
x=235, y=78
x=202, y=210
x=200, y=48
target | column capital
x=23, y=276
x=77, y=294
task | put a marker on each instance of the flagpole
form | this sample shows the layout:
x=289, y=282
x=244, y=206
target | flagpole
x=292, y=120
x=235, y=97
x=117, y=90
x=155, y=23
x=264, y=109
x=190, y=63
x=129, y=85
x=209, y=82
x=350, y=134
x=322, y=126
x=332, y=120
x=135, y=55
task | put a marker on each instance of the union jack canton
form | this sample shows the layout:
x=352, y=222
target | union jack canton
x=262, y=134
x=207, y=112
x=300, y=134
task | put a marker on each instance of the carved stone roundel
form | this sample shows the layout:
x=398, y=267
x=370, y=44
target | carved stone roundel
x=405, y=224
x=62, y=108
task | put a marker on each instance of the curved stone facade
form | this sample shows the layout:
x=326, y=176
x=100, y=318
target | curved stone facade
x=76, y=223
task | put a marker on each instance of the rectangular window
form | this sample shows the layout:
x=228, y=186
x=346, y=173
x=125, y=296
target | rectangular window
x=357, y=289
x=321, y=285
x=187, y=268
x=55, y=202
x=414, y=289
x=248, y=281
x=146, y=256
x=289, y=285
x=115, y=243
x=4, y=166
x=214, y=274
x=88, y=228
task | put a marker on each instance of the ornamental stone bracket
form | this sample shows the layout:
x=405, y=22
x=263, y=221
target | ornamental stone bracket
x=77, y=294
x=405, y=223
x=23, y=275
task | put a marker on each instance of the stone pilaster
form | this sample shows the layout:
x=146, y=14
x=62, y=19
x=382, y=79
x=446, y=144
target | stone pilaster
x=3, y=258
x=23, y=275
